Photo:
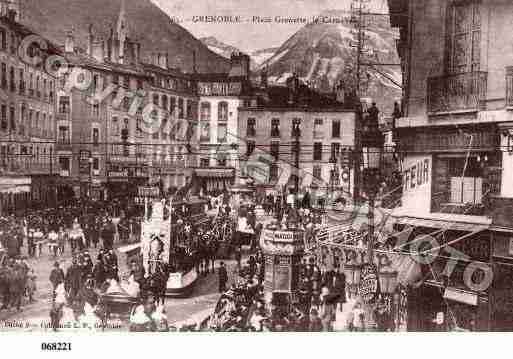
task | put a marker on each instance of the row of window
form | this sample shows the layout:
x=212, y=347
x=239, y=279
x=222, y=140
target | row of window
x=335, y=150
x=15, y=81
x=275, y=128
x=31, y=122
x=65, y=165
x=183, y=108
x=171, y=83
x=206, y=111
x=26, y=157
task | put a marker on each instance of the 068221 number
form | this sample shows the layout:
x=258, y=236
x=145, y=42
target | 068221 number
x=56, y=346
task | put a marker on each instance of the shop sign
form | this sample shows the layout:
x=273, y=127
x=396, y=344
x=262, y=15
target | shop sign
x=148, y=191
x=368, y=283
x=282, y=236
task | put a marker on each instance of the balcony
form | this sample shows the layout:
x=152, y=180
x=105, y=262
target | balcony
x=465, y=92
x=502, y=211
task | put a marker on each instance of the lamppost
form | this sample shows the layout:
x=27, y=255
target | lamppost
x=91, y=161
x=296, y=133
x=372, y=146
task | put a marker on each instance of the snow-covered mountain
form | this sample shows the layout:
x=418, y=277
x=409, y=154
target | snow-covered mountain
x=225, y=50
x=322, y=54
x=260, y=56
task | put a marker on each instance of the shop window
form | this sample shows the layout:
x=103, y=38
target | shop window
x=466, y=181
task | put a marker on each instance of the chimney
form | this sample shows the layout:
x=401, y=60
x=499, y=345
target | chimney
x=239, y=65
x=90, y=40
x=340, y=92
x=69, y=44
x=194, y=61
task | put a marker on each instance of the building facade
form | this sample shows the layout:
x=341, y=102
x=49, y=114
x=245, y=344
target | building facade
x=454, y=139
x=279, y=121
x=27, y=117
x=220, y=97
x=119, y=131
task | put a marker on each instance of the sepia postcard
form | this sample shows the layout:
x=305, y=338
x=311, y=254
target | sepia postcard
x=255, y=166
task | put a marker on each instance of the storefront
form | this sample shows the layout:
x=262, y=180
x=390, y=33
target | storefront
x=14, y=194
x=454, y=279
x=213, y=180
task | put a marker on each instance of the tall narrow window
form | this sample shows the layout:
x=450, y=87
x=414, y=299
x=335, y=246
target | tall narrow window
x=463, y=37
x=317, y=155
x=222, y=111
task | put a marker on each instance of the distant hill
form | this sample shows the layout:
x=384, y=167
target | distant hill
x=147, y=23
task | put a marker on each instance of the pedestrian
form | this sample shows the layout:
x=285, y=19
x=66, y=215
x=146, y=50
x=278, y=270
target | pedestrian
x=61, y=240
x=327, y=310
x=223, y=277
x=238, y=257
x=56, y=277
x=31, y=286
x=53, y=244
x=73, y=280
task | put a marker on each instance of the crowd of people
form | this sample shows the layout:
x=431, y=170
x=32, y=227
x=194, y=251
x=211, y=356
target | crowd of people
x=71, y=229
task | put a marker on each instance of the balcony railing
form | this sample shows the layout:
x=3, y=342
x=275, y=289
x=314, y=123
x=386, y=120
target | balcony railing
x=27, y=166
x=460, y=92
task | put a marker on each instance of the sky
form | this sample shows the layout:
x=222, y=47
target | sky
x=249, y=36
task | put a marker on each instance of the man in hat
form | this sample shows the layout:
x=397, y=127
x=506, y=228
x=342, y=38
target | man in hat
x=56, y=277
x=73, y=279
x=223, y=277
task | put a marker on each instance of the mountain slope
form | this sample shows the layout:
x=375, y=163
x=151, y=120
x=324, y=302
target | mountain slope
x=147, y=23
x=322, y=54
x=220, y=48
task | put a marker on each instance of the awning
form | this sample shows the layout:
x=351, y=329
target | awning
x=215, y=172
x=439, y=224
x=14, y=189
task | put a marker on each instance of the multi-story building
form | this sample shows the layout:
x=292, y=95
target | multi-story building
x=280, y=120
x=220, y=97
x=455, y=138
x=175, y=92
x=118, y=134
x=27, y=116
